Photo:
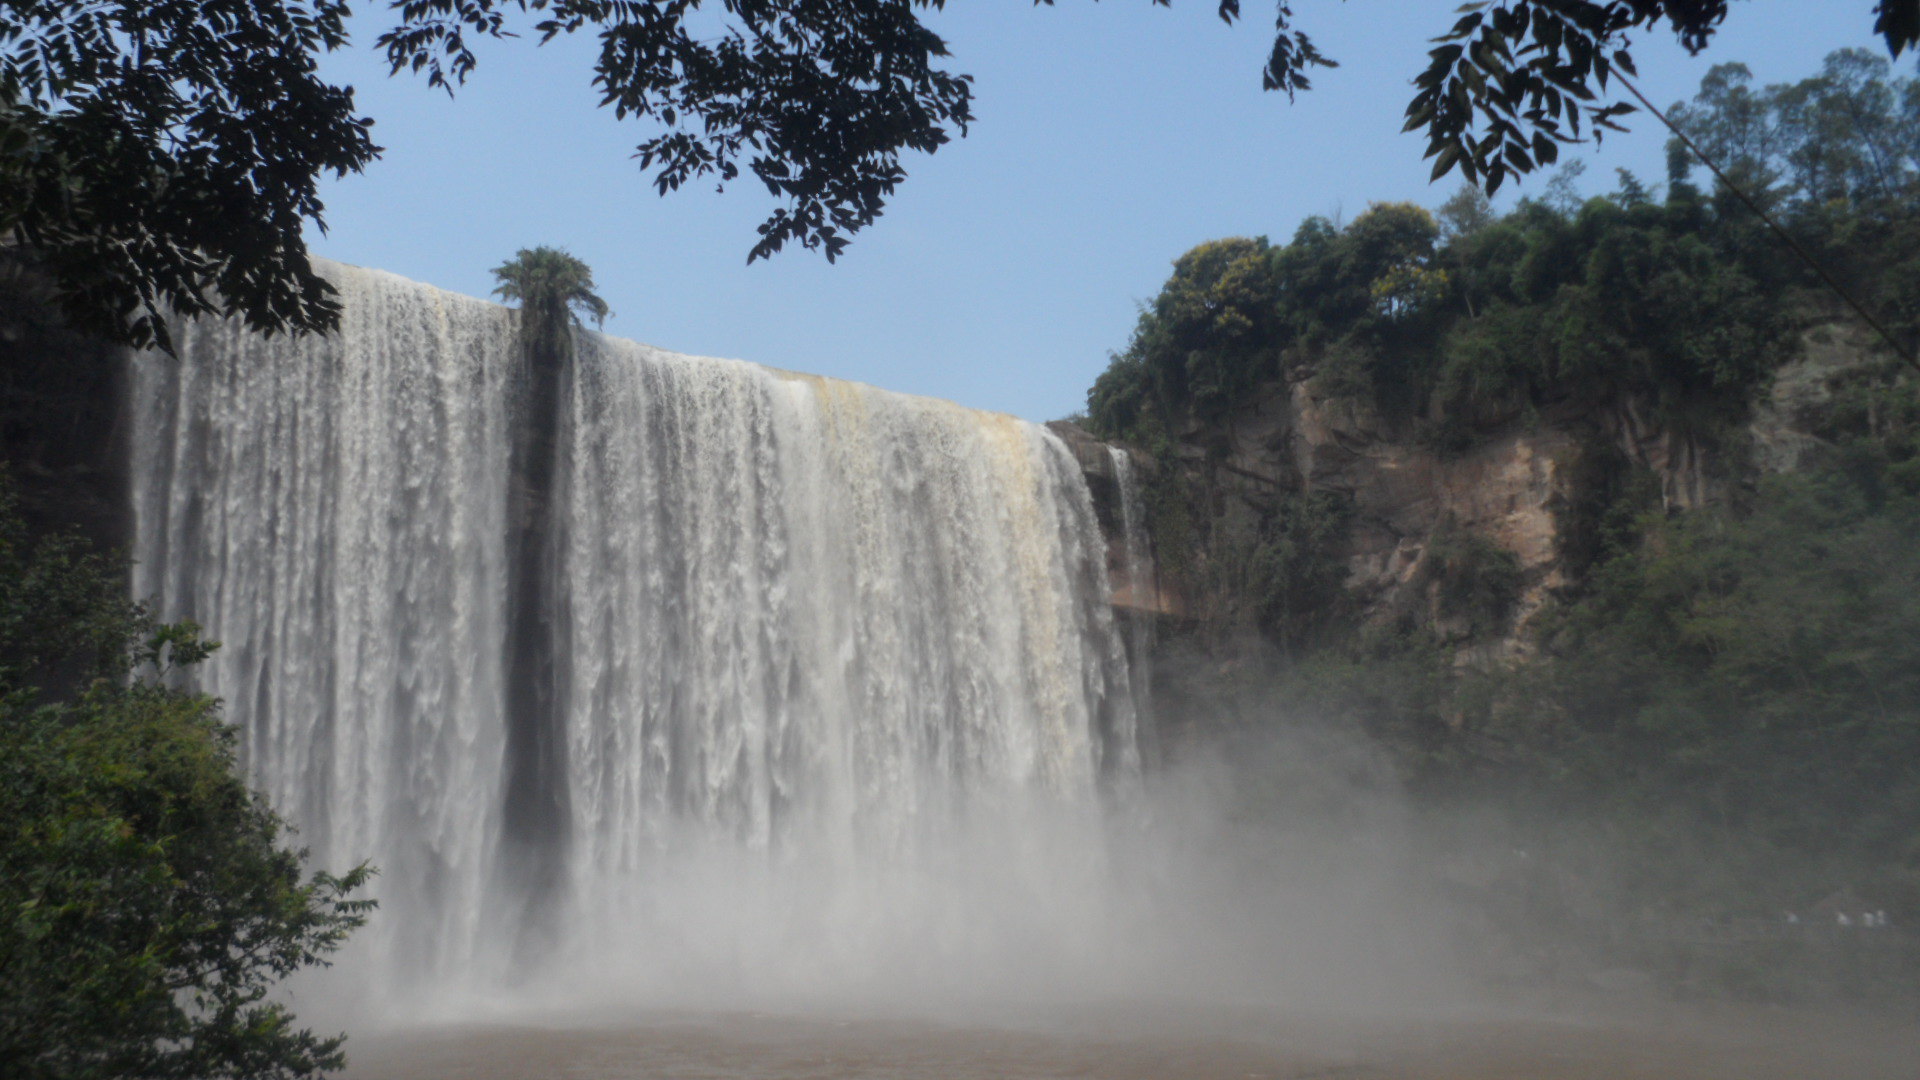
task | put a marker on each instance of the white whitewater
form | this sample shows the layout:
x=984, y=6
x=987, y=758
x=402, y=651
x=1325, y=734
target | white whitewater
x=805, y=624
x=1142, y=585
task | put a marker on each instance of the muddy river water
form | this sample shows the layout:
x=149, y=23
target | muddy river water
x=1584, y=1040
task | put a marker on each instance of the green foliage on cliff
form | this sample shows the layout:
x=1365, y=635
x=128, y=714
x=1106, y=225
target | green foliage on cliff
x=1725, y=701
x=1760, y=669
x=1235, y=311
x=147, y=903
x=1475, y=580
x=1723, y=720
x=1298, y=579
x=1731, y=695
x=1620, y=295
x=1207, y=338
x=1455, y=324
x=1280, y=574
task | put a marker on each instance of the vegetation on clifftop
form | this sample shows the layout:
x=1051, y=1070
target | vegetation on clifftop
x=1726, y=697
x=1450, y=322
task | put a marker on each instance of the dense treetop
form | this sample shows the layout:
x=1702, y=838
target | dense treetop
x=1452, y=320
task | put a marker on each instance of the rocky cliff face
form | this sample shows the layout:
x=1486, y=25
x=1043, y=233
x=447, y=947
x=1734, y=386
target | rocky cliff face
x=1518, y=499
x=61, y=432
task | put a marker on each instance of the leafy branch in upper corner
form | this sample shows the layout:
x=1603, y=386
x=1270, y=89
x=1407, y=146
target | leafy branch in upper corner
x=163, y=156
x=1511, y=82
x=818, y=99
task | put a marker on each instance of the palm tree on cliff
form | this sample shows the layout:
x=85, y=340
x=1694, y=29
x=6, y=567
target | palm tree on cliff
x=550, y=286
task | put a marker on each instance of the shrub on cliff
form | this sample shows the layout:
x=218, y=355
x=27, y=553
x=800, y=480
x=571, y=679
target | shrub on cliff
x=1235, y=309
x=1210, y=335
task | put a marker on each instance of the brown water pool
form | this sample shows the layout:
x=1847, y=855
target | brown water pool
x=1593, y=1041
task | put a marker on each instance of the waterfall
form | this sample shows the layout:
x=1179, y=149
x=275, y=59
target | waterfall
x=797, y=622
x=1138, y=591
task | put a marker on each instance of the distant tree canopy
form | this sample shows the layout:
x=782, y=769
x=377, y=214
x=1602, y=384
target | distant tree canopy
x=1451, y=322
x=163, y=154
x=1850, y=134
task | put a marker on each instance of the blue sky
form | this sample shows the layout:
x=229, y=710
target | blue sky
x=1110, y=138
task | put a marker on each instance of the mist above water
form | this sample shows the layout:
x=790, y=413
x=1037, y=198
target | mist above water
x=841, y=716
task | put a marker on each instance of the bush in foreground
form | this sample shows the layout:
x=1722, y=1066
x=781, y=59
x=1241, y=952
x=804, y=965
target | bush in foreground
x=148, y=903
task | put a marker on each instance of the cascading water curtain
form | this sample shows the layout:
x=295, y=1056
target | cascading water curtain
x=804, y=622
x=1142, y=584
